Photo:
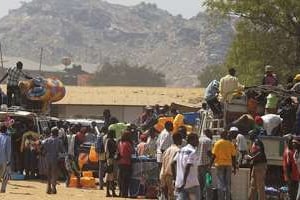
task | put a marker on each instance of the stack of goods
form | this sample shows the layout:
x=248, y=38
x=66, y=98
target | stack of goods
x=87, y=181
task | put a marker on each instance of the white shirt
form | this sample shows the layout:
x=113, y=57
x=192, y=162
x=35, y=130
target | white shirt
x=186, y=155
x=163, y=142
x=241, y=142
x=271, y=121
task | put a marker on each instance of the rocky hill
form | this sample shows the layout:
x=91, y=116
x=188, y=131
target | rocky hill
x=94, y=31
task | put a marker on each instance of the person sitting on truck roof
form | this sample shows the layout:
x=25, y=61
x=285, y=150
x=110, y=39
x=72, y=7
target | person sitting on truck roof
x=228, y=85
x=270, y=78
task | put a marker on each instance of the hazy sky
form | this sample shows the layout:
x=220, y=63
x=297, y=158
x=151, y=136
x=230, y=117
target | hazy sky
x=187, y=8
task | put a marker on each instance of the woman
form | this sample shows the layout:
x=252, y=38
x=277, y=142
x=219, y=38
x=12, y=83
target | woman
x=150, y=146
x=142, y=144
x=125, y=149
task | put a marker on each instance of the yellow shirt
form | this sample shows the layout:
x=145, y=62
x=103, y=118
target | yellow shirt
x=223, y=151
x=228, y=85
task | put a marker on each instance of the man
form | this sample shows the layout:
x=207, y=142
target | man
x=118, y=127
x=228, y=85
x=166, y=174
x=290, y=171
x=259, y=167
x=270, y=78
x=241, y=144
x=204, y=153
x=148, y=118
x=186, y=173
x=107, y=118
x=224, y=157
x=164, y=141
x=52, y=147
x=5, y=155
x=211, y=97
x=296, y=88
x=13, y=91
x=101, y=151
x=110, y=149
x=71, y=140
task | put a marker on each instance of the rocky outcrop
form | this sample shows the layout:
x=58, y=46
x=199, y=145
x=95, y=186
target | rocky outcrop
x=93, y=31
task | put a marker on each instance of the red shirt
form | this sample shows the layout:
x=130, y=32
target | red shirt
x=125, y=151
x=80, y=137
x=289, y=161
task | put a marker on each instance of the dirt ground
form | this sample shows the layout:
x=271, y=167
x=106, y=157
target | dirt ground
x=36, y=190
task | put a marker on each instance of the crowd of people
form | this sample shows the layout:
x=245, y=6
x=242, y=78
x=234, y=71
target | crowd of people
x=184, y=160
x=275, y=102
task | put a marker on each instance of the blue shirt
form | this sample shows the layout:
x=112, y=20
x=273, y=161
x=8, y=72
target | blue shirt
x=5, y=148
x=212, y=90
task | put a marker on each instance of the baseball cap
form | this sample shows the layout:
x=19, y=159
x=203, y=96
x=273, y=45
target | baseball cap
x=233, y=129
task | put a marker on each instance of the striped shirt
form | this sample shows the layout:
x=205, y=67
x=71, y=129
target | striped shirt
x=205, y=145
x=14, y=76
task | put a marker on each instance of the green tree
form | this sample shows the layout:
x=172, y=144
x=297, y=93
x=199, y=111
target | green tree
x=268, y=32
x=254, y=48
x=213, y=72
x=122, y=74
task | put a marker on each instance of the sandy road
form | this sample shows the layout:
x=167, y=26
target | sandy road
x=35, y=190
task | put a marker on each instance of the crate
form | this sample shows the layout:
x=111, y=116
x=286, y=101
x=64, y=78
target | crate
x=191, y=117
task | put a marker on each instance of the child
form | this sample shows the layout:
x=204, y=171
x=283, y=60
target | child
x=72, y=168
x=110, y=149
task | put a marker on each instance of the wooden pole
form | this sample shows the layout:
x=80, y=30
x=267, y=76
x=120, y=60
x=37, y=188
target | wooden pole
x=41, y=58
x=1, y=56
